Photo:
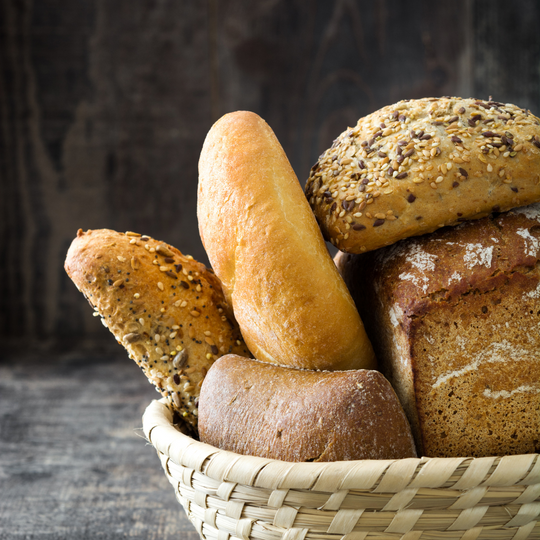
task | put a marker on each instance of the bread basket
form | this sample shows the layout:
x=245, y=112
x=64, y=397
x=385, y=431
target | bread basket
x=229, y=496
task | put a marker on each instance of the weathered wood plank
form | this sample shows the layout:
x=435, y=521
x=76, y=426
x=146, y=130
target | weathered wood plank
x=103, y=110
x=105, y=105
x=73, y=459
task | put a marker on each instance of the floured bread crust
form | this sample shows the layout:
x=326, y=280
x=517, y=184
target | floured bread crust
x=418, y=165
x=252, y=408
x=455, y=321
x=165, y=308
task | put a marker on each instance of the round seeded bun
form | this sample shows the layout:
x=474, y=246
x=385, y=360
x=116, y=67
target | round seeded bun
x=418, y=165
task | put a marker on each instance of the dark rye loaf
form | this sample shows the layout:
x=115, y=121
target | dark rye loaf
x=454, y=318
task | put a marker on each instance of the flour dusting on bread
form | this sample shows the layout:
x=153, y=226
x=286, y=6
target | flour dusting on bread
x=464, y=356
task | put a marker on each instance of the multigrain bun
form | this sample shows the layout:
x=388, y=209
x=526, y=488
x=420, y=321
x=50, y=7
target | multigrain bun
x=252, y=408
x=265, y=246
x=454, y=318
x=165, y=308
x=418, y=165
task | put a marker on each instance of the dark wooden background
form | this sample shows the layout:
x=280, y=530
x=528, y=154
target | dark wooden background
x=104, y=107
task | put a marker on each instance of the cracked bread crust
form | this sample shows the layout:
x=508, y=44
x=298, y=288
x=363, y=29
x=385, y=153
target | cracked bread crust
x=165, y=308
x=455, y=324
x=253, y=408
x=418, y=165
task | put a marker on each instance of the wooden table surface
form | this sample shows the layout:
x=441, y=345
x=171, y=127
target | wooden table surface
x=74, y=463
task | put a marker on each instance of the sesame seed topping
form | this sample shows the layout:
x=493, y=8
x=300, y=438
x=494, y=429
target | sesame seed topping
x=160, y=286
x=365, y=163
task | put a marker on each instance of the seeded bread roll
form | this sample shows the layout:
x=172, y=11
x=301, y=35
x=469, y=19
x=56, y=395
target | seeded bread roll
x=165, y=308
x=265, y=246
x=418, y=165
x=259, y=409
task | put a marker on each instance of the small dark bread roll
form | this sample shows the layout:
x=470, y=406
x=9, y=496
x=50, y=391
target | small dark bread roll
x=418, y=165
x=165, y=308
x=258, y=409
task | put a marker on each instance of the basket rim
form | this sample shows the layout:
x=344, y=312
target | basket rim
x=422, y=472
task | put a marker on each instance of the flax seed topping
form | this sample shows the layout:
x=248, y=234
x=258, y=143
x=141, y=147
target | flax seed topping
x=425, y=147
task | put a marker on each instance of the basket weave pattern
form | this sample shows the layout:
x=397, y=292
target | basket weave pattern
x=228, y=496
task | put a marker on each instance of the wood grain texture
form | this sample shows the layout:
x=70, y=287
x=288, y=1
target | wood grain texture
x=104, y=107
x=73, y=459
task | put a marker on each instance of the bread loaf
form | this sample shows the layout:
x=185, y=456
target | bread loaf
x=265, y=246
x=165, y=308
x=455, y=319
x=418, y=165
x=259, y=409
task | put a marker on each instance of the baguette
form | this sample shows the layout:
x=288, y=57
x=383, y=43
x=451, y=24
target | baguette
x=267, y=249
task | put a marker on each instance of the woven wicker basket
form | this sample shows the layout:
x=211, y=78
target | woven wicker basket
x=228, y=496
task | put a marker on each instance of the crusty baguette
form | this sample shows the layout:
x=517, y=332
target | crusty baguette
x=253, y=408
x=165, y=308
x=418, y=165
x=265, y=246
